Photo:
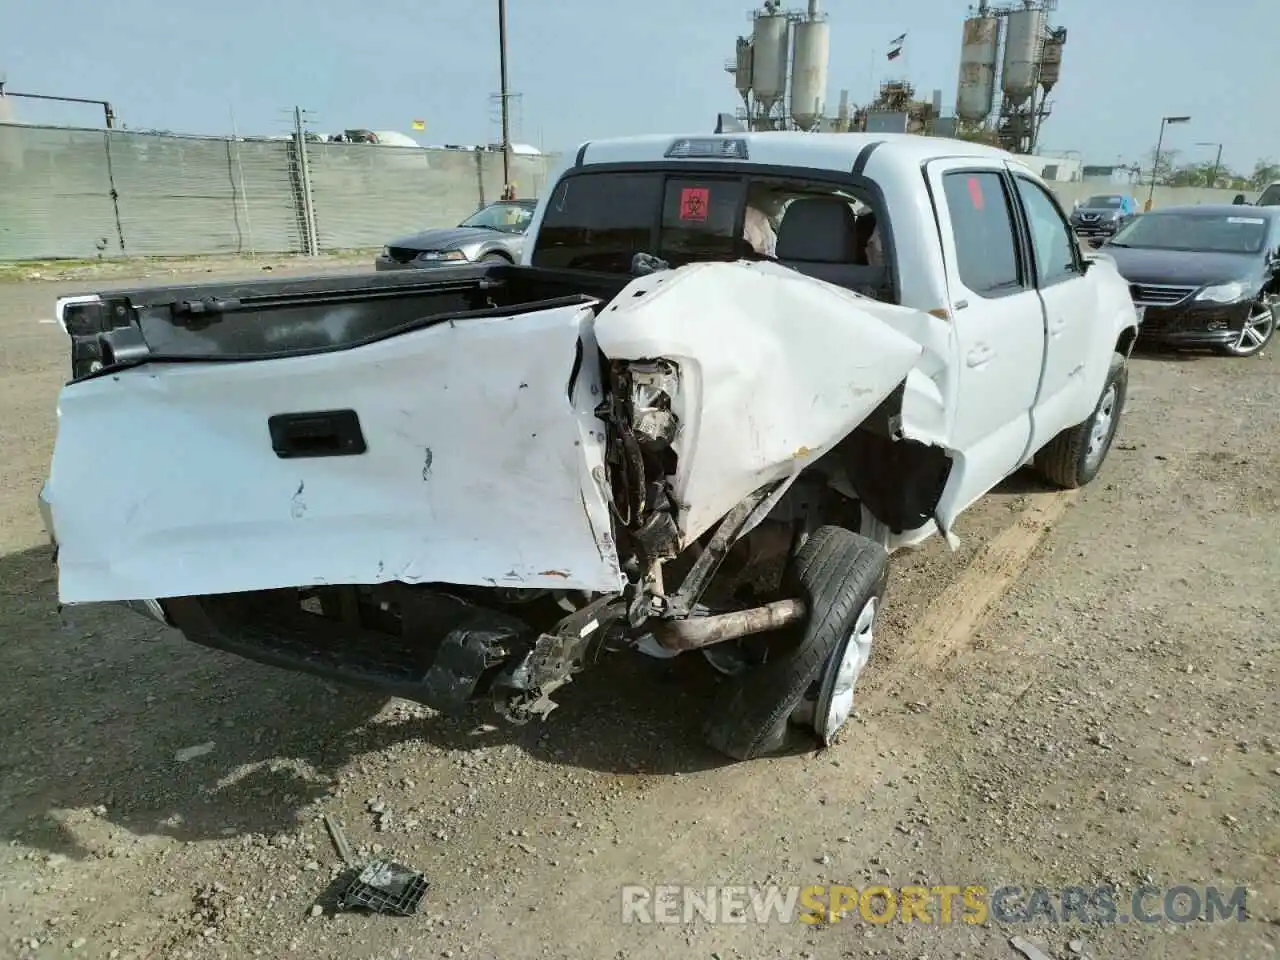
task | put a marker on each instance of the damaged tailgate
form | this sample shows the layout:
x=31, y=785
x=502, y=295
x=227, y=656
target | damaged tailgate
x=462, y=452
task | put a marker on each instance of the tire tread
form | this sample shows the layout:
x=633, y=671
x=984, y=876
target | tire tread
x=836, y=571
x=1059, y=461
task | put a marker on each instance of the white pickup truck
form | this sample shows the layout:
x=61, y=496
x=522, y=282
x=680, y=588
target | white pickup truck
x=730, y=376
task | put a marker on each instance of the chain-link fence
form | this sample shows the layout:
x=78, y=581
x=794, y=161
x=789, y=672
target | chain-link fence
x=71, y=193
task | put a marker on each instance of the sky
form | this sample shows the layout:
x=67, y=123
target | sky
x=590, y=69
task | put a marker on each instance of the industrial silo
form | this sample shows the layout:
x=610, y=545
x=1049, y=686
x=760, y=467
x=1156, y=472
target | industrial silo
x=810, y=58
x=1022, y=44
x=769, y=57
x=1051, y=60
x=978, y=55
x=742, y=67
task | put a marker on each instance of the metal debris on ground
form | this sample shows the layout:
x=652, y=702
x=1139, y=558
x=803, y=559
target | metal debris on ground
x=386, y=887
x=1028, y=949
x=190, y=753
x=339, y=840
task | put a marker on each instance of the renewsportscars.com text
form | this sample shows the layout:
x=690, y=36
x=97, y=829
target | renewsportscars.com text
x=943, y=904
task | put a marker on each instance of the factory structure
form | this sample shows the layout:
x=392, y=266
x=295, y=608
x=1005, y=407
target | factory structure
x=1010, y=62
x=780, y=70
x=1023, y=77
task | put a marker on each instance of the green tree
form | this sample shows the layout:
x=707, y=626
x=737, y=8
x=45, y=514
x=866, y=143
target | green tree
x=1165, y=167
x=1202, y=175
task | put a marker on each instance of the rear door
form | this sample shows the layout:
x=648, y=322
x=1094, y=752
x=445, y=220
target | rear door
x=1070, y=312
x=999, y=326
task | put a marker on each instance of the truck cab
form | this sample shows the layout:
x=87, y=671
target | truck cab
x=1018, y=329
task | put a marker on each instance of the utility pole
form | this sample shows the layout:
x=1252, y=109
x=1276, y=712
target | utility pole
x=304, y=177
x=504, y=96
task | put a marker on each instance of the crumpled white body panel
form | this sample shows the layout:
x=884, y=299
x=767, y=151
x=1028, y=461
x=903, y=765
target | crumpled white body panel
x=478, y=469
x=775, y=369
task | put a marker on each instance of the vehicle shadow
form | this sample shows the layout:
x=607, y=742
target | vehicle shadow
x=97, y=704
x=1167, y=354
x=1023, y=482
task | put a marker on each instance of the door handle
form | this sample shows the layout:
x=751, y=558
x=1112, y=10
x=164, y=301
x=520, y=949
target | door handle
x=980, y=355
x=1057, y=325
x=320, y=433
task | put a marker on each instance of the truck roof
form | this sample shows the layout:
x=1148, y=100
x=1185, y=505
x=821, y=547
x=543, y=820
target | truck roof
x=823, y=151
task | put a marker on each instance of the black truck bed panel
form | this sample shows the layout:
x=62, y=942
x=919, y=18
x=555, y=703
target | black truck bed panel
x=275, y=317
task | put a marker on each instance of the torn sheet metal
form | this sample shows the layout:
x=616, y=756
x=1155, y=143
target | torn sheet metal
x=775, y=368
x=477, y=469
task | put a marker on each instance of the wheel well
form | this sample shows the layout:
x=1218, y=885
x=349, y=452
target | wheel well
x=497, y=254
x=898, y=480
x=1124, y=345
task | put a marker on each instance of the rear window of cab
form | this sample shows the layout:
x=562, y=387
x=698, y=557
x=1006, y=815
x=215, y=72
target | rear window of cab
x=599, y=221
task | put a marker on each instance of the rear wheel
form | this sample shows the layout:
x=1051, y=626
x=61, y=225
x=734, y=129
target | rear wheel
x=1256, y=332
x=810, y=674
x=1074, y=457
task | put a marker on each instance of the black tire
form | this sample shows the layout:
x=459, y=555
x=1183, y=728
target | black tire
x=1262, y=320
x=495, y=258
x=836, y=572
x=1066, y=460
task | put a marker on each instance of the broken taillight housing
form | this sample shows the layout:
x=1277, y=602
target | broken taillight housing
x=653, y=385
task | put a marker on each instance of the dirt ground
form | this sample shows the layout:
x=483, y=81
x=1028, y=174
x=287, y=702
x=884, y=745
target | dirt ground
x=1111, y=719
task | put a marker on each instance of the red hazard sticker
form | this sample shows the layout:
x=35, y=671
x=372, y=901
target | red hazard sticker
x=975, y=193
x=694, y=202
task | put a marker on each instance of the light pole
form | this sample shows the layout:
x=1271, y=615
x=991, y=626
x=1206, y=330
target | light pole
x=1155, y=164
x=504, y=96
x=109, y=114
x=1217, y=163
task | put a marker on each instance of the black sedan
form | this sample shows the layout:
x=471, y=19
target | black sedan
x=1203, y=276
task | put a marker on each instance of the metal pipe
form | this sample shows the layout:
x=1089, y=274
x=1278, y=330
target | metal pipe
x=108, y=113
x=503, y=95
x=697, y=632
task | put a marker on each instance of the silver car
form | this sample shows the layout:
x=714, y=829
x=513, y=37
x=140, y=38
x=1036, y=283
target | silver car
x=494, y=233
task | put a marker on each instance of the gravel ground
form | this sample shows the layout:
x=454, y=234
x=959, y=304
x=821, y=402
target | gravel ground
x=1113, y=720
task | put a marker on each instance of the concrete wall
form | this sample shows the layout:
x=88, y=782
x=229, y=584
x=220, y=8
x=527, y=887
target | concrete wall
x=71, y=193
x=1068, y=193
x=367, y=196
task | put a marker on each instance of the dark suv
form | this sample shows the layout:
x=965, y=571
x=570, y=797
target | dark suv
x=1099, y=217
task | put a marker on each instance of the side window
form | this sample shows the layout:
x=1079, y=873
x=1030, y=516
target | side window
x=1051, y=237
x=982, y=224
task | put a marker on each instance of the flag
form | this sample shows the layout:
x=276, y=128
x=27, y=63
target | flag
x=898, y=40
x=895, y=53
x=419, y=124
